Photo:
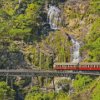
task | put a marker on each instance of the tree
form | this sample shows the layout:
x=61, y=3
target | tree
x=81, y=83
x=6, y=92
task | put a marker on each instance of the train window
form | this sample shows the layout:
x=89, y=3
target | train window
x=92, y=65
x=86, y=65
x=99, y=66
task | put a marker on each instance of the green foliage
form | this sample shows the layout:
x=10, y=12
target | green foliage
x=93, y=42
x=25, y=26
x=81, y=83
x=96, y=94
x=35, y=94
x=94, y=7
x=63, y=81
x=6, y=92
x=13, y=47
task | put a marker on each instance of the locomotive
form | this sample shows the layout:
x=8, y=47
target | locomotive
x=89, y=66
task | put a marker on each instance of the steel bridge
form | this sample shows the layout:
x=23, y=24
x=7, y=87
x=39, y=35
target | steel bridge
x=36, y=73
x=42, y=73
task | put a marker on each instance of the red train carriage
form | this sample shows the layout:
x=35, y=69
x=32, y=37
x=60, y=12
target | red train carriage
x=65, y=66
x=93, y=66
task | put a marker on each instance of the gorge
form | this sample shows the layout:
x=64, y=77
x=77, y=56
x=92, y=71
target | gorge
x=45, y=32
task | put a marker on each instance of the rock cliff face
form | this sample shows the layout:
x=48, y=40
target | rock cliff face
x=75, y=19
x=55, y=44
x=12, y=60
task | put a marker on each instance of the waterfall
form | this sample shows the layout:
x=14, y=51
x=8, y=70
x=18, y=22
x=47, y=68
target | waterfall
x=54, y=17
x=75, y=51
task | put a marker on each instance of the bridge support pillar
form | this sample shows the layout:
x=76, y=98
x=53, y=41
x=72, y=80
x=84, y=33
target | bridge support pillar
x=46, y=83
x=71, y=83
x=53, y=84
x=7, y=79
x=38, y=81
x=42, y=81
x=32, y=82
x=12, y=82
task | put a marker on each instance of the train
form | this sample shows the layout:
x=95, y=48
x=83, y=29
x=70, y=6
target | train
x=89, y=66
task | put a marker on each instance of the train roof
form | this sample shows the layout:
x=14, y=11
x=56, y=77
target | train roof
x=59, y=63
x=89, y=63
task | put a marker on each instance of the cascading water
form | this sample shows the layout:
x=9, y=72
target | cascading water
x=75, y=51
x=75, y=55
x=54, y=17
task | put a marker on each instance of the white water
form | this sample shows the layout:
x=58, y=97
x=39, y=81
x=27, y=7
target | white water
x=54, y=17
x=75, y=51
